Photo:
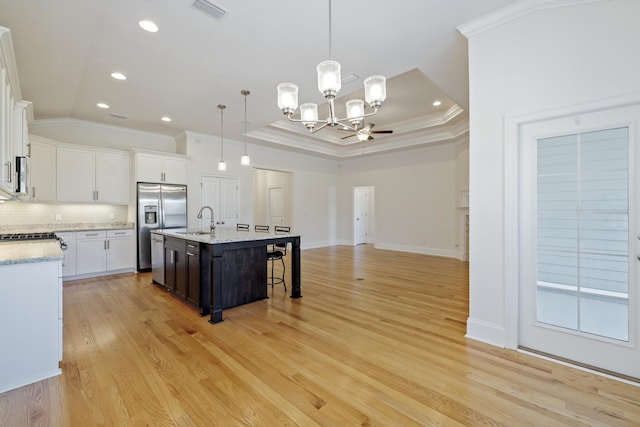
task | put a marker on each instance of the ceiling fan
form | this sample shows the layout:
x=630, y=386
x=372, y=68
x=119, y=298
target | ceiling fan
x=364, y=134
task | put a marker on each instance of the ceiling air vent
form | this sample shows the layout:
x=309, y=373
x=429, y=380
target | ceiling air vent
x=118, y=116
x=209, y=8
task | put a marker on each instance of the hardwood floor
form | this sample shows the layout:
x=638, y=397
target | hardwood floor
x=377, y=339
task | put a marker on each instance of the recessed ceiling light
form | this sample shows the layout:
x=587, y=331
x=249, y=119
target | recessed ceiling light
x=148, y=26
x=437, y=103
x=166, y=119
x=102, y=105
x=118, y=76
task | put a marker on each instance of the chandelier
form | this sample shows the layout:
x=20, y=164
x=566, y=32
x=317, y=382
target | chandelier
x=329, y=84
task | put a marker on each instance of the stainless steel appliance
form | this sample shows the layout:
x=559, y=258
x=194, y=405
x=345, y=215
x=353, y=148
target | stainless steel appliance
x=160, y=206
x=157, y=258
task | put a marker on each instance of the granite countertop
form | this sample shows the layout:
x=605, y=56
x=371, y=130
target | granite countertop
x=29, y=251
x=46, y=228
x=220, y=235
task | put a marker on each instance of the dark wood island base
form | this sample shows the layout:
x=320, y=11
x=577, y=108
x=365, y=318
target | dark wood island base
x=223, y=270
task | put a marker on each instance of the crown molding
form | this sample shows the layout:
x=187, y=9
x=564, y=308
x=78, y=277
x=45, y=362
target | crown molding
x=514, y=11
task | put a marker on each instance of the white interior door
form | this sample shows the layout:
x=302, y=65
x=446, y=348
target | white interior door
x=228, y=202
x=275, y=201
x=578, y=284
x=221, y=194
x=360, y=214
x=210, y=196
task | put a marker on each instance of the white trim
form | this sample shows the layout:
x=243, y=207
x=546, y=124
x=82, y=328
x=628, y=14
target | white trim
x=514, y=11
x=8, y=58
x=416, y=249
x=490, y=333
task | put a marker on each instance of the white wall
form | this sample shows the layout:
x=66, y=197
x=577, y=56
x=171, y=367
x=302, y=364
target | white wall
x=415, y=199
x=312, y=181
x=416, y=191
x=553, y=57
x=93, y=134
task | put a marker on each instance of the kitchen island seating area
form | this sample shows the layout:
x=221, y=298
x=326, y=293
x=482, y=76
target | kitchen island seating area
x=230, y=268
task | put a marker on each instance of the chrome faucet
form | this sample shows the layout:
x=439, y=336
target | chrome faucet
x=212, y=226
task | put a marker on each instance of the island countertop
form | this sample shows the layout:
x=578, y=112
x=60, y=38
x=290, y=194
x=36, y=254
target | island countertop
x=221, y=235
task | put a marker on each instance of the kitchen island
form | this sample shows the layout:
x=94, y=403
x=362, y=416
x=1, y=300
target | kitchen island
x=30, y=312
x=232, y=267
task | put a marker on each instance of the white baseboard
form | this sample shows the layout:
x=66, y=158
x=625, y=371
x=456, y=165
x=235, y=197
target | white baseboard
x=486, y=332
x=417, y=249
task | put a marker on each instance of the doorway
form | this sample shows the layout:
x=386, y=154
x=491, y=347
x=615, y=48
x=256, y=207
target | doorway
x=362, y=218
x=272, y=204
x=578, y=243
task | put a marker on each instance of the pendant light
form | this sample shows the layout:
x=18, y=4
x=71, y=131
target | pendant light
x=222, y=165
x=245, y=160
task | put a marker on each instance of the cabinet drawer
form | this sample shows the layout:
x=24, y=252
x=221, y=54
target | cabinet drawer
x=119, y=233
x=91, y=234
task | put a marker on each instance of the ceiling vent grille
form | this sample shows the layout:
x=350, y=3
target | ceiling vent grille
x=118, y=116
x=209, y=8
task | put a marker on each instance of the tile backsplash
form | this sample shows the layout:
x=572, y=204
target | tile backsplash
x=23, y=213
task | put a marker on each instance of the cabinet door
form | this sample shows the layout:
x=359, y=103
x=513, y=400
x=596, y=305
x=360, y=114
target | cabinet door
x=175, y=171
x=112, y=177
x=193, y=273
x=120, y=250
x=42, y=171
x=148, y=168
x=7, y=105
x=75, y=175
x=91, y=254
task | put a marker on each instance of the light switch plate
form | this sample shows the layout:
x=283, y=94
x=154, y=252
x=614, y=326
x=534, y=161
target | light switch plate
x=58, y=217
x=112, y=216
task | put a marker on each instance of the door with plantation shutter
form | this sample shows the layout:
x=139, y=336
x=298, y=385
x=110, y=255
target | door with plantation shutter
x=579, y=243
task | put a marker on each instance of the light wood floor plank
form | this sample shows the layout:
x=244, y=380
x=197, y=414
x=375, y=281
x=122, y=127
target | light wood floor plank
x=376, y=340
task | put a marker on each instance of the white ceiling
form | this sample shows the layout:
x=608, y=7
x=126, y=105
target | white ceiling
x=66, y=50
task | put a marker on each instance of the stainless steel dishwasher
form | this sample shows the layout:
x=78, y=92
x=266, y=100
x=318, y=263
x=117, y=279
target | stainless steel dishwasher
x=157, y=258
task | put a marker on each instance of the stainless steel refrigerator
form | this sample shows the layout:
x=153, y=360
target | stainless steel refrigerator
x=160, y=206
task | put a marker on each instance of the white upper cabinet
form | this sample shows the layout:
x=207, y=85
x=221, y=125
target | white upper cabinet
x=42, y=170
x=87, y=175
x=12, y=117
x=170, y=169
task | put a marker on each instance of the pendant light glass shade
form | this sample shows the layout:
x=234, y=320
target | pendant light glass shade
x=222, y=165
x=309, y=113
x=245, y=160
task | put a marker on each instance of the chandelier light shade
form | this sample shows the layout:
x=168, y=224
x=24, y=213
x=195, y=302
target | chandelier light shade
x=375, y=90
x=329, y=79
x=287, y=97
x=245, y=160
x=222, y=165
x=329, y=84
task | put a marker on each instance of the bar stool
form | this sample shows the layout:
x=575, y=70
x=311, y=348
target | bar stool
x=278, y=252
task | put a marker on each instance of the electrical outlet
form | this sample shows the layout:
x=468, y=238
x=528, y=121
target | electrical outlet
x=112, y=216
x=58, y=217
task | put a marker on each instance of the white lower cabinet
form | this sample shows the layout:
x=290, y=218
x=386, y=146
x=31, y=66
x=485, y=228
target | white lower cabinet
x=119, y=250
x=103, y=251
